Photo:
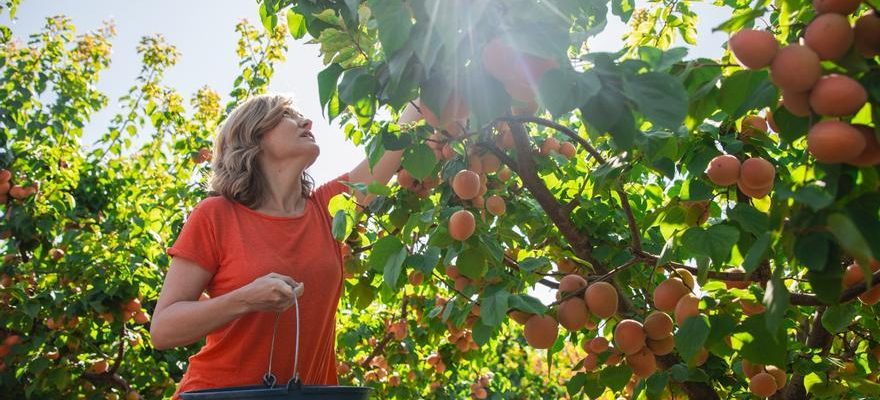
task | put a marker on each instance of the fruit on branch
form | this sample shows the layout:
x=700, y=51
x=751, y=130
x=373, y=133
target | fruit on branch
x=797, y=103
x=867, y=34
x=762, y=385
x=462, y=225
x=520, y=72
x=569, y=284
x=830, y=36
x=629, y=336
x=855, y=275
x=550, y=145
x=751, y=125
x=573, y=313
x=601, y=298
x=495, y=205
x=688, y=306
x=658, y=325
x=723, y=170
x=750, y=370
x=541, y=331
x=756, y=177
x=752, y=48
x=406, y=180
x=466, y=184
x=795, y=68
x=837, y=95
x=661, y=347
x=667, y=294
x=751, y=307
x=836, y=6
x=835, y=142
x=567, y=150
x=643, y=363
x=519, y=316
x=597, y=345
x=779, y=376
x=870, y=156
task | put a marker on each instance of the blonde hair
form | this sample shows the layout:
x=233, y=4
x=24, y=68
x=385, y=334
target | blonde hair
x=237, y=174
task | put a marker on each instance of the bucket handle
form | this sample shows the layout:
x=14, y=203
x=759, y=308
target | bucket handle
x=269, y=378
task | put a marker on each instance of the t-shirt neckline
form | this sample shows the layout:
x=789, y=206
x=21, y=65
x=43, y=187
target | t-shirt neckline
x=274, y=217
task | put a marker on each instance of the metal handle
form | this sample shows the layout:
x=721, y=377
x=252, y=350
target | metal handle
x=269, y=378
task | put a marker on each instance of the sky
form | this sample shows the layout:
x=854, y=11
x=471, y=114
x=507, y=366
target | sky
x=203, y=32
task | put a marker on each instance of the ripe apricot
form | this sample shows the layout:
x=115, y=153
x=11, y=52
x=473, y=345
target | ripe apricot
x=750, y=370
x=454, y=110
x=598, y=345
x=567, y=150
x=835, y=142
x=667, y=294
x=573, y=314
x=688, y=306
x=755, y=193
x=519, y=316
x=504, y=174
x=141, y=317
x=98, y=367
x=723, y=170
x=571, y=283
x=495, y=205
x=750, y=307
x=452, y=272
x=796, y=68
x=643, y=363
x=567, y=266
x=416, y=278
x=871, y=154
x=662, y=346
x=797, y=103
x=591, y=361
x=837, y=95
x=550, y=145
x=686, y=277
x=629, y=336
x=867, y=34
x=466, y=184
x=133, y=305
x=17, y=192
x=541, y=331
x=406, y=180
x=462, y=225
x=753, y=49
x=836, y=6
x=778, y=374
x=5, y=175
x=601, y=299
x=658, y=325
x=490, y=163
x=701, y=357
x=830, y=36
x=762, y=385
x=757, y=172
x=750, y=126
x=510, y=65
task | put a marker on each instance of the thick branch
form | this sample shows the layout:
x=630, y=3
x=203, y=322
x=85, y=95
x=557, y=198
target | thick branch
x=694, y=390
x=631, y=219
x=819, y=339
x=565, y=130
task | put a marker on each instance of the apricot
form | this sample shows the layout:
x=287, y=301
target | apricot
x=495, y=205
x=752, y=48
x=643, y=363
x=667, y=294
x=688, y=306
x=567, y=266
x=452, y=272
x=750, y=307
x=750, y=370
x=490, y=163
x=629, y=336
x=462, y=225
x=466, y=184
x=834, y=142
x=755, y=193
x=591, y=361
x=662, y=346
x=519, y=316
x=461, y=283
x=567, y=150
x=509, y=65
x=5, y=175
x=550, y=145
x=752, y=125
x=836, y=6
x=686, y=277
x=416, y=278
x=779, y=376
x=701, y=357
x=601, y=299
x=723, y=170
x=871, y=154
x=541, y=331
x=867, y=34
x=406, y=180
x=830, y=36
x=757, y=172
x=796, y=68
x=98, y=367
x=837, y=95
x=571, y=283
x=454, y=110
x=17, y=192
x=658, y=325
x=133, y=305
x=762, y=385
x=871, y=297
x=573, y=314
x=598, y=345
x=504, y=174
x=797, y=103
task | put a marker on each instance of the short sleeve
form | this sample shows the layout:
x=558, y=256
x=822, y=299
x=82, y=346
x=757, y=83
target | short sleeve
x=197, y=240
x=326, y=191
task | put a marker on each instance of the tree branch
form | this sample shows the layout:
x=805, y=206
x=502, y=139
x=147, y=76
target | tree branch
x=565, y=130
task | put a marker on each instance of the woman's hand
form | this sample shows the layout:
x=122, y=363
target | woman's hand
x=270, y=292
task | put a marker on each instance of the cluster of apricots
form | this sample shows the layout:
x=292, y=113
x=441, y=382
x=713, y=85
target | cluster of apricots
x=17, y=192
x=479, y=388
x=764, y=381
x=754, y=176
x=130, y=310
x=797, y=71
x=855, y=275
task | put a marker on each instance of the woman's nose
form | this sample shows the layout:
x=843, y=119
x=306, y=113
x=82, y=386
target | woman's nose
x=307, y=124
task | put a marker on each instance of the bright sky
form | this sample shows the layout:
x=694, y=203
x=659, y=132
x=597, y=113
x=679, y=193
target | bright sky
x=203, y=32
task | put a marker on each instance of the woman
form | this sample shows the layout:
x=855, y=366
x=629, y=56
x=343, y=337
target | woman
x=262, y=238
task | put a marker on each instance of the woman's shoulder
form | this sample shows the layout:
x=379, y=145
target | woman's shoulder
x=214, y=205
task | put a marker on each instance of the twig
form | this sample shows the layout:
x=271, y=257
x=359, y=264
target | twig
x=561, y=128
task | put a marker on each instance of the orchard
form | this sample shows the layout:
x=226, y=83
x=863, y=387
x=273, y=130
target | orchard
x=710, y=227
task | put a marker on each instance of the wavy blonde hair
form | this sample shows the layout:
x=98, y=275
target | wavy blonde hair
x=237, y=174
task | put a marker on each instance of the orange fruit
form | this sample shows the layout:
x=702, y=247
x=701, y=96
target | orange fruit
x=752, y=48
x=601, y=299
x=867, y=34
x=462, y=225
x=836, y=6
x=870, y=156
x=658, y=325
x=835, y=142
x=724, y=170
x=466, y=184
x=667, y=294
x=763, y=385
x=541, y=331
x=795, y=68
x=830, y=36
x=629, y=336
x=837, y=95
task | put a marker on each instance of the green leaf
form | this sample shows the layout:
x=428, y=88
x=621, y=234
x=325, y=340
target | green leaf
x=746, y=90
x=419, y=160
x=849, y=237
x=357, y=84
x=740, y=19
x=394, y=22
x=493, y=307
x=756, y=253
x=791, y=127
x=472, y=263
x=327, y=83
x=714, y=242
x=576, y=383
x=691, y=336
x=761, y=346
x=388, y=255
x=750, y=219
x=533, y=263
x=777, y=300
x=296, y=23
x=526, y=303
x=814, y=196
x=837, y=318
x=812, y=249
x=340, y=225
x=660, y=97
x=615, y=377
x=655, y=384
x=561, y=90
x=483, y=333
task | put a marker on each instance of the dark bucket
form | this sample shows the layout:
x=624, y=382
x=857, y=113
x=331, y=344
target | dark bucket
x=293, y=391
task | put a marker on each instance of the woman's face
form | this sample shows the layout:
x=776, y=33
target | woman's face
x=292, y=138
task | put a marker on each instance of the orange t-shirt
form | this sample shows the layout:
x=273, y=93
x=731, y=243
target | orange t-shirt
x=238, y=245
